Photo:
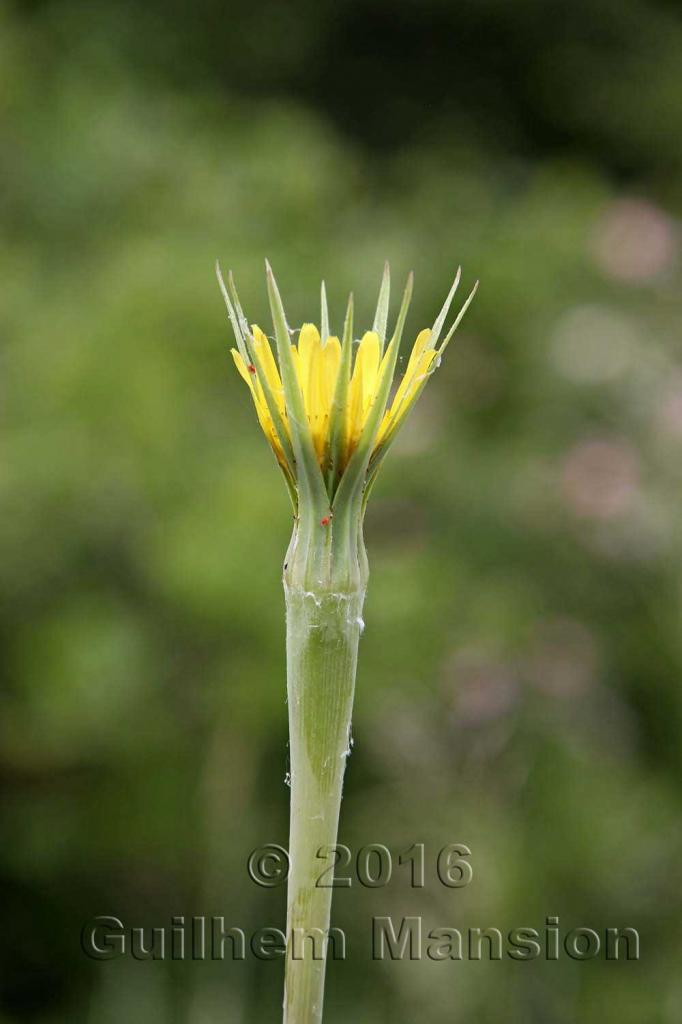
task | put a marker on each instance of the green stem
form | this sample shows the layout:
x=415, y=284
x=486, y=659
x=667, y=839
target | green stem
x=323, y=630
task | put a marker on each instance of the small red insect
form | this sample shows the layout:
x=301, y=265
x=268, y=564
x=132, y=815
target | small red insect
x=251, y=368
x=326, y=521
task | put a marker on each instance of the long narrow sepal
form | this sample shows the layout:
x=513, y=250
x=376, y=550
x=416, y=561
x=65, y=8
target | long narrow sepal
x=232, y=314
x=458, y=319
x=337, y=419
x=308, y=470
x=381, y=315
x=354, y=473
x=250, y=355
x=243, y=322
x=440, y=319
x=379, y=453
x=324, y=314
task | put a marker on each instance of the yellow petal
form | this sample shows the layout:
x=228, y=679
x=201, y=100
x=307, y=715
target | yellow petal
x=297, y=366
x=308, y=343
x=331, y=353
x=308, y=338
x=267, y=359
x=262, y=411
x=363, y=385
x=420, y=371
x=407, y=393
x=354, y=418
x=369, y=353
x=241, y=365
x=318, y=413
x=420, y=344
x=413, y=365
x=418, y=364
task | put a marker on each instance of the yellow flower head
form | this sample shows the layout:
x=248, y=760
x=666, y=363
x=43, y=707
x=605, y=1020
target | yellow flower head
x=326, y=408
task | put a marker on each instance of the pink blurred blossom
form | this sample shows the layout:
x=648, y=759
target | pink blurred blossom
x=635, y=241
x=669, y=415
x=600, y=478
x=563, y=657
x=485, y=688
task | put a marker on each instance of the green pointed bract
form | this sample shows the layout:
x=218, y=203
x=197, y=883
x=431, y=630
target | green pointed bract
x=440, y=319
x=232, y=315
x=354, y=474
x=337, y=420
x=458, y=319
x=324, y=314
x=381, y=315
x=249, y=354
x=308, y=474
x=237, y=304
x=273, y=408
x=379, y=453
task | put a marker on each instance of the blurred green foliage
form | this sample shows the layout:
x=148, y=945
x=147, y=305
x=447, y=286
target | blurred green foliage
x=519, y=680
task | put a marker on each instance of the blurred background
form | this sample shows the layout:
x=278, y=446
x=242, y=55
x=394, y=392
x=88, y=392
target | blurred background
x=519, y=681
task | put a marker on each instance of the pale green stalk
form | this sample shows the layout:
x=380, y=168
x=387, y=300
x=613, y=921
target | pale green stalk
x=324, y=623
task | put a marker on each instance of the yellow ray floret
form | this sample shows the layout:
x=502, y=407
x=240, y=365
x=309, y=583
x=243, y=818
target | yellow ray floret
x=317, y=367
x=262, y=411
x=418, y=367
